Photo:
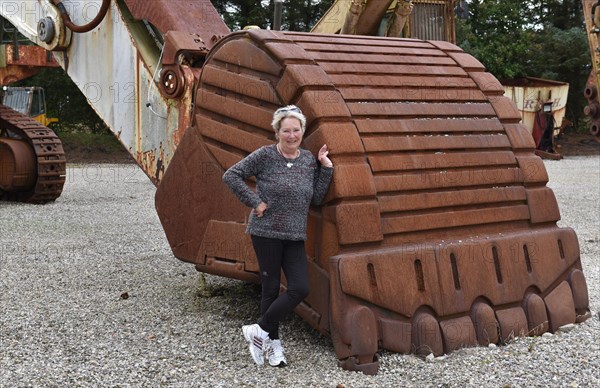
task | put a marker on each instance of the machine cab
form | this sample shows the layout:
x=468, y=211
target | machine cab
x=29, y=101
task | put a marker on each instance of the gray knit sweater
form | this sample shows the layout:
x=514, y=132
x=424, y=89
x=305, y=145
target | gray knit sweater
x=287, y=191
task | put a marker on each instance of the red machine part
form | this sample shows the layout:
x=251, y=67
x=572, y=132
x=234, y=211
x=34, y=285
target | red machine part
x=438, y=232
x=200, y=17
x=23, y=62
x=593, y=108
x=87, y=27
x=32, y=159
x=591, y=14
x=18, y=167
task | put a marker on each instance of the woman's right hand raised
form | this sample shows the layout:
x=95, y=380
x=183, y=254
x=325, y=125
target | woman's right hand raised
x=260, y=209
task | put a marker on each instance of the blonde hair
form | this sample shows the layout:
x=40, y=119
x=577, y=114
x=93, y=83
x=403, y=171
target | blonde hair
x=285, y=112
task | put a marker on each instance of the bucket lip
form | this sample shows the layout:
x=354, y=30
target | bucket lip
x=531, y=82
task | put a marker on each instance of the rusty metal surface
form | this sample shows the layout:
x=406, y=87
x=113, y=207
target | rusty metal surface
x=364, y=17
x=25, y=62
x=17, y=165
x=26, y=14
x=198, y=17
x=119, y=84
x=422, y=19
x=176, y=45
x=114, y=66
x=438, y=231
x=592, y=26
x=433, y=20
x=37, y=181
x=27, y=56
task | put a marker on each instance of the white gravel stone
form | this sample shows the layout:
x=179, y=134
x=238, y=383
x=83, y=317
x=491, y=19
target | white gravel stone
x=567, y=328
x=64, y=321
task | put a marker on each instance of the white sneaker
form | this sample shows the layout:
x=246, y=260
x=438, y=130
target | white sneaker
x=275, y=354
x=256, y=338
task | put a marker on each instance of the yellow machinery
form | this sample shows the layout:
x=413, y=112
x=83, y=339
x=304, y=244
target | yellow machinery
x=422, y=19
x=29, y=101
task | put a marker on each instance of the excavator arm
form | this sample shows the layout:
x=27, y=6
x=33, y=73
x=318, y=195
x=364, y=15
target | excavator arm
x=422, y=19
x=115, y=64
x=591, y=13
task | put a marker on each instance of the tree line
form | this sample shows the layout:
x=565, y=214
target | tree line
x=536, y=38
x=512, y=38
x=297, y=15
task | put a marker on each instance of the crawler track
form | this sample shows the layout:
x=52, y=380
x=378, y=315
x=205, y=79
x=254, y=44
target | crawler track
x=49, y=156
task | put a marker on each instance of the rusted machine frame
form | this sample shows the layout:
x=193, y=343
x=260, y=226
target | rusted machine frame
x=47, y=174
x=591, y=14
x=433, y=30
x=364, y=17
x=33, y=161
x=21, y=62
x=124, y=88
x=17, y=60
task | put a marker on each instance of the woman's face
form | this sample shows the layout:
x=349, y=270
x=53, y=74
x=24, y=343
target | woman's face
x=290, y=134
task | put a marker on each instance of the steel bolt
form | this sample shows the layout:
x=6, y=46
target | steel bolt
x=595, y=128
x=45, y=29
x=592, y=110
x=590, y=92
x=171, y=84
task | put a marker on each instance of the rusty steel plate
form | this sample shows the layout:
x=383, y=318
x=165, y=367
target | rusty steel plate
x=25, y=62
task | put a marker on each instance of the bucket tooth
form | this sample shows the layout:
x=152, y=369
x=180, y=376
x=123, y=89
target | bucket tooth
x=513, y=323
x=560, y=305
x=537, y=317
x=580, y=291
x=486, y=325
x=427, y=336
x=458, y=333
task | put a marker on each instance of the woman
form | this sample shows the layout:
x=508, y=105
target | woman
x=288, y=180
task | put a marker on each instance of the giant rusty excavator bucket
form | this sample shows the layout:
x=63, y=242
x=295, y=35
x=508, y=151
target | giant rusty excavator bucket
x=438, y=231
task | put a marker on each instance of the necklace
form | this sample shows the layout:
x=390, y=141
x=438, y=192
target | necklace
x=289, y=163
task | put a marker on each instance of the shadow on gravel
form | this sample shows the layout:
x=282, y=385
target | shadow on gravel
x=229, y=298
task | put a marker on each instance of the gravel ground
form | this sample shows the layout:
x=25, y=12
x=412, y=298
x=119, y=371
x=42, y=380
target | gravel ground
x=91, y=295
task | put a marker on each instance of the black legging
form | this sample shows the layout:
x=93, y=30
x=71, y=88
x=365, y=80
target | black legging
x=274, y=255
